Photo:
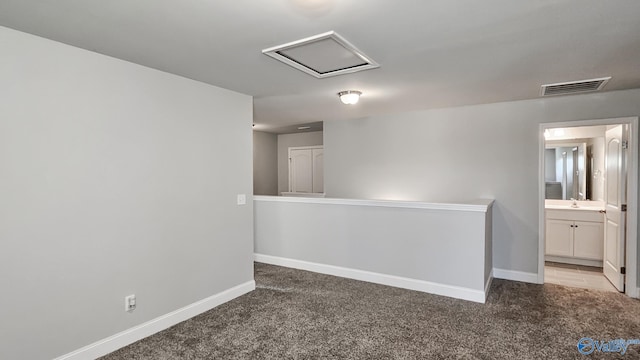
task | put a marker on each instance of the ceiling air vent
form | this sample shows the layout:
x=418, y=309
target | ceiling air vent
x=574, y=87
x=323, y=55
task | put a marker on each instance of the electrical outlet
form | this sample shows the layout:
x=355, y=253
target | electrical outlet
x=129, y=303
x=242, y=199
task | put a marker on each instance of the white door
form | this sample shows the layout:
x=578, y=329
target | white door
x=300, y=170
x=615, y=200
x=318, y=170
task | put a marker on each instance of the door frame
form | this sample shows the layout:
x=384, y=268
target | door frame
x=631, y=253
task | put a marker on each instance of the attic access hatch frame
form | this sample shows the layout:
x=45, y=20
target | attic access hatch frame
x=353, y=59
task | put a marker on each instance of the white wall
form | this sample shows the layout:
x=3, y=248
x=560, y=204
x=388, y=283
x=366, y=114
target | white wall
x=265, y=163
x=285, y=141
x=115, y=179
x=455, y=154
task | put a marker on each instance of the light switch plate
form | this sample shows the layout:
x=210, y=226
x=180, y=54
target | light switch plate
x=242, y=199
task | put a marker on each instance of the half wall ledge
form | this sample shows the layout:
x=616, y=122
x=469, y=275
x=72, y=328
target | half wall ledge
x=440, y=248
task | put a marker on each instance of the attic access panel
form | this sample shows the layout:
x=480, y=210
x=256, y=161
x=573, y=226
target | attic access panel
x=323, y=55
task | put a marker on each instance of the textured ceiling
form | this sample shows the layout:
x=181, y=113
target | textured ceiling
x=432, y=53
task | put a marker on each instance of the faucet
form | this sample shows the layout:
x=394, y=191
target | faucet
x=574, y=203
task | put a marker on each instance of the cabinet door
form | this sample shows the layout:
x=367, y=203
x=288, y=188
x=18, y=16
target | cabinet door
x=559, y=238
x=588, y=240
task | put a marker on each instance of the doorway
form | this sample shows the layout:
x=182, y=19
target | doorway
x=588, y=203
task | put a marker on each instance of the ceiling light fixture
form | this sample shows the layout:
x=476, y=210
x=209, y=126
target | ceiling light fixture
x=349, y=97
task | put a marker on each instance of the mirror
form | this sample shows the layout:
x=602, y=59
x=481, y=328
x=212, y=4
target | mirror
x=574, y=163
x=566, y=170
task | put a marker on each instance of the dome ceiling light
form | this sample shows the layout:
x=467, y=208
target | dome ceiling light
x=349, y=97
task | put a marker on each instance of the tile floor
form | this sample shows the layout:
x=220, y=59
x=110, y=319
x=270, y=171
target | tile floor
x=586, y=277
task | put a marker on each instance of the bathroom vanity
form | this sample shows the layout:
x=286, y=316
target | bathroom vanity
x=575, y=235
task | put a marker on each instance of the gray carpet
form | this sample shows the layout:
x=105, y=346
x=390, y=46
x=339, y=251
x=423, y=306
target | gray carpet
x=296, y=314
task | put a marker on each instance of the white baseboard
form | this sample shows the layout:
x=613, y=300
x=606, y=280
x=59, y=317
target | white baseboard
x=129, y=336
x=515, y=275
x=377, y=278
x=487, y=286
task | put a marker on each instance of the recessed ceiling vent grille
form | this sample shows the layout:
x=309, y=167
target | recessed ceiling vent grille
x=323, y=55
x=574, y=87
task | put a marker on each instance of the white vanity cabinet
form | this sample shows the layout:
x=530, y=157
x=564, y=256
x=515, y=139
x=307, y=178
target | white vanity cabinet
x=574, y=234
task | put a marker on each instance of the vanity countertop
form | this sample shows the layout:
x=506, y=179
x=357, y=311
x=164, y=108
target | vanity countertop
x=579, y=208
x=583, y=205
